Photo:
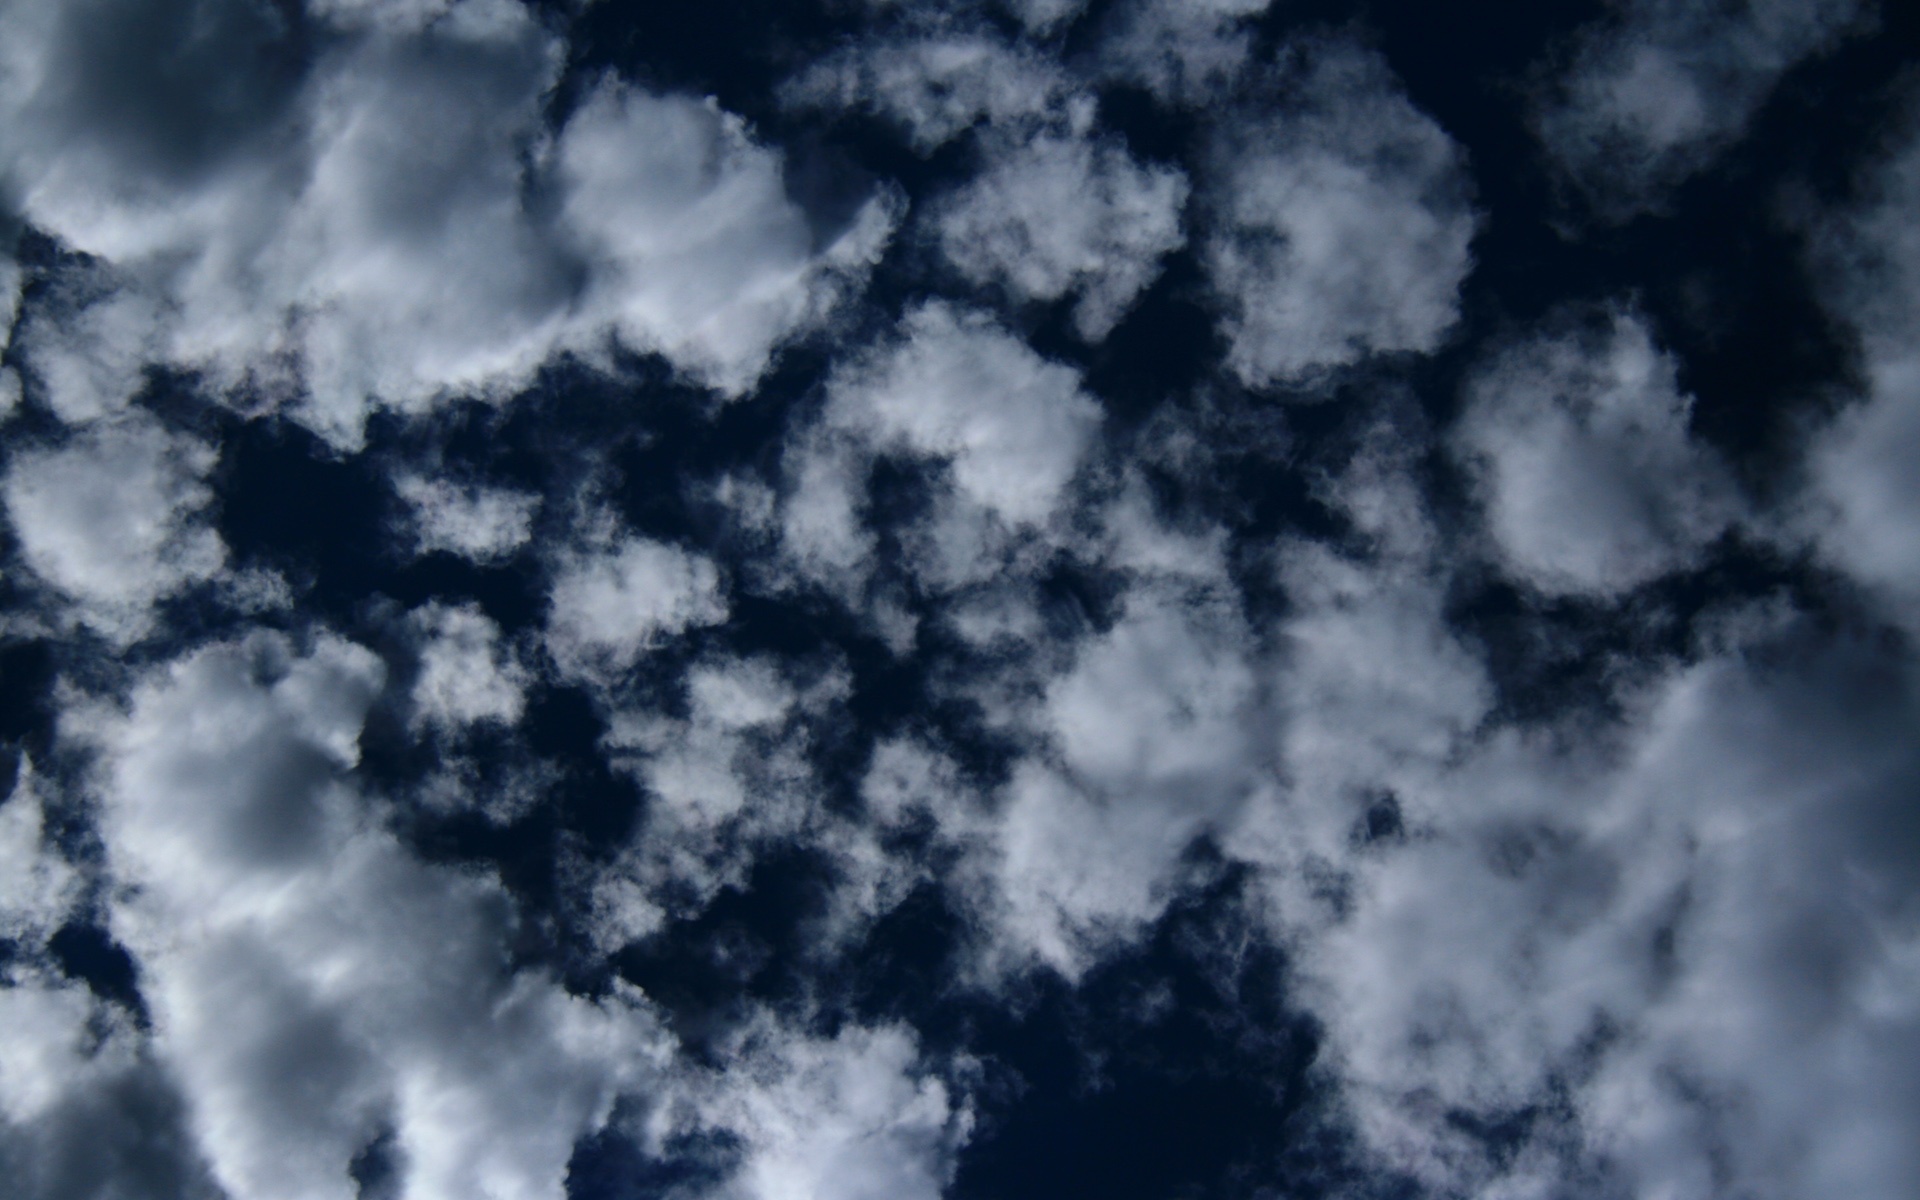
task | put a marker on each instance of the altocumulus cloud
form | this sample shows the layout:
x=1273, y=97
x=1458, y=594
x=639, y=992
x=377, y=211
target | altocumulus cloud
x=958, y=598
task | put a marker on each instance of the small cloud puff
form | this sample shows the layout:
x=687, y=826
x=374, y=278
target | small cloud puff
x=1342, y=224
x=315, y=989
x=857, y=1116
x=1578, y=446
x=114, y=520
x=609, y=606
x=463, y=678
x=1065, y=214
x=478, y=523
x=1655, y=91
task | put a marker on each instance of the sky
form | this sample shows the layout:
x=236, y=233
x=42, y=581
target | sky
x=986, y=599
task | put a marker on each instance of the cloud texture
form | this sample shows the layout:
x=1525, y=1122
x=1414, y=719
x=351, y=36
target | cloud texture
x=946, y=598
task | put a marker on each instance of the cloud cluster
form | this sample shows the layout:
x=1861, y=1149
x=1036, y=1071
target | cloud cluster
x=1655, y=91
x=1580, y=451
x=114, y=520
x=376, y=212
x=1005, y=427
x=1342, y=223
x=325, y=1000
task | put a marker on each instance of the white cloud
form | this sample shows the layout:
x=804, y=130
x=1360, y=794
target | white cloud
x=698, y=252
x=937, y=84
x=463, y=678
x=1864, y=502
x=608, y=607
x=1342, y=223
x=1045, y=16
x=474, y=522
x=823, y=529
x=1694, y=938
x=351, y=226
x=311, y=984
x=1653, y=93
x=1006, y=430
x=1185, y=51
x=1011, y=426
x=857, y=1116
x=37, y=887
x=1372, y=689
x=86, y=346
x=1065, y=214
x=1149, y=743
x=730, y=778
x=1579, y=448
x=113, y=519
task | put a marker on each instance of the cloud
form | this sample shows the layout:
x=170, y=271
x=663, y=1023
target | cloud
x=476, y=522
x=463, y=679
x=86, y=346
x=935, y=84
x=729, y=779
x=1065, y=214
x=1148, y=743
x=609, y=606
x=1010, y=425
x=314, y=988
x=1372, y=687
x=699, y=254
x=1004, y=429
x=1579, y=449
x=86, y=1113
x=1341, y=223
x=37, y=886
x=1185, y=51
x=373, y=212
x=1864, y=504
x=113, y=519
x=1666, y=958
x=1045, y=16
x=1653, y=94
x=856, y=1116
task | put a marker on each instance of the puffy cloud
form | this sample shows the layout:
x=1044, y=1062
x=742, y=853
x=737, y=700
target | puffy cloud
x=348, y=220
x=314, y=989
x=1011, y=426
x=1007, y=429
x=1864, y=506
x=86, y=347
x=474, y=522
x=857, y=1116
x=1185, y=51
x=1044, y=16
x=1150, y=744
x=463, y=680
x=1342, y=223
x=1579, y=448
x=730, y=778
x=1652, y=94
x=936, y=83
x=1372, y=687
x=113, y=520
x=37, y=887
x=1065, y=214
x=609, y=606
x=1666, y=958
x=699, y=254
